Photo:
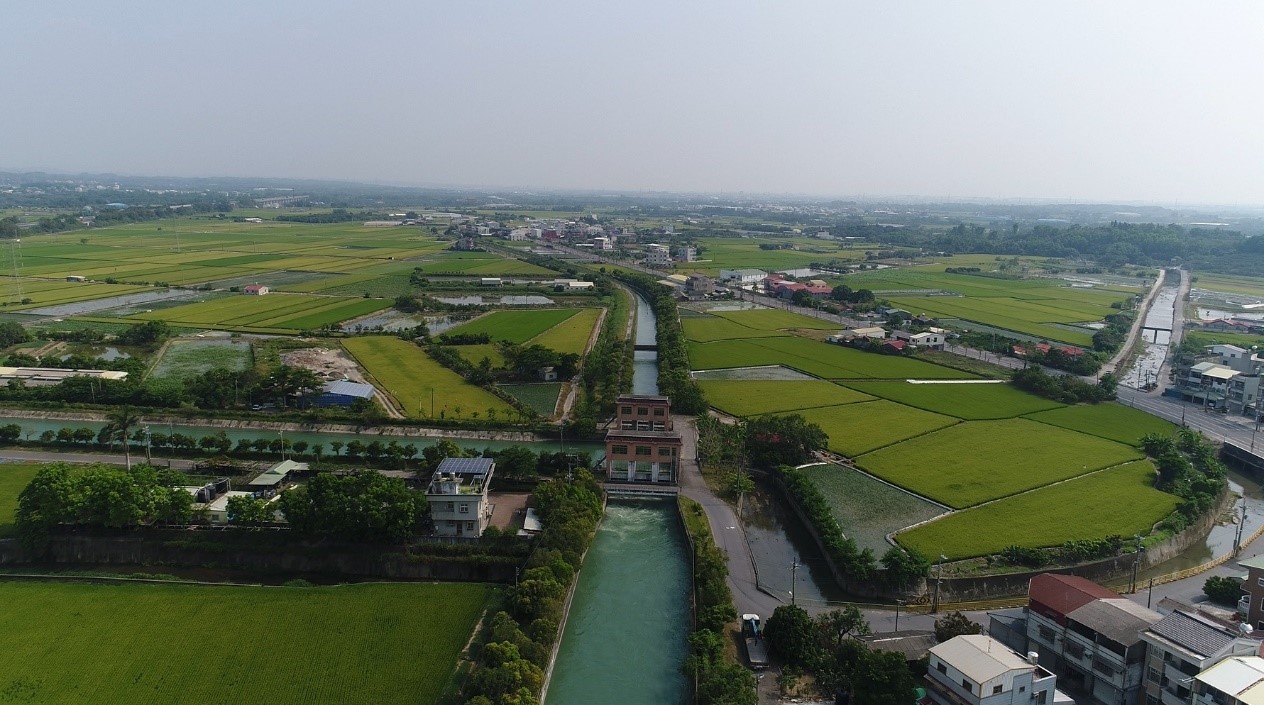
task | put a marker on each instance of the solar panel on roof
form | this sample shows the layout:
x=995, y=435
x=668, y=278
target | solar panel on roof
x=466, y=466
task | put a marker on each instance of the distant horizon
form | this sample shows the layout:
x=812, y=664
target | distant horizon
x=598, y=191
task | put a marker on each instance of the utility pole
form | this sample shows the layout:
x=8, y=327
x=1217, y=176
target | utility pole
x=897, y=614
x=1237, y=539
x=794, y=572
x=939, y=578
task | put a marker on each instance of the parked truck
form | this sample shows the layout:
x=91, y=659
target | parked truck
x=756, y=647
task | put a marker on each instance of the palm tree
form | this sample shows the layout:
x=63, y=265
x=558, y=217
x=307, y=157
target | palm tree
x=121, y=421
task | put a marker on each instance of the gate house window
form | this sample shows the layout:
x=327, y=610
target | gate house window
x=643, y=450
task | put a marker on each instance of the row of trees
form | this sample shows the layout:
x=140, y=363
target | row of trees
x=826, y=646
x=509, y=665
x=1188, y=468
x=99, y=495
x=1067, y=389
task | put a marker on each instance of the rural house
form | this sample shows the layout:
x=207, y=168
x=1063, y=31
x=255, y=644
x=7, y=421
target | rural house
x=255, y=289
x=458, y=496
x=973, y=669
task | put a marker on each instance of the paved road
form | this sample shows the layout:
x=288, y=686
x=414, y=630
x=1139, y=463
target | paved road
x=107, y=458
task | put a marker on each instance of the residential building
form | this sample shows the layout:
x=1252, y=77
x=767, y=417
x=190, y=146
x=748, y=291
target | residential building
x=1228, y=378
x=465, y=244
x=1089, y=636
x=518, y=234
x=787, y=289
x=1234, y=681
x=641, y=445
x=603, y=243
x=742, y=276
x=1182, y=645
x=871, y=333
x=658, y=255
x=685, y=253
x=699, y=285
x=255, y=289
x=458, y=496
x=1253, y=586
x=974, y=669
x=928, y=340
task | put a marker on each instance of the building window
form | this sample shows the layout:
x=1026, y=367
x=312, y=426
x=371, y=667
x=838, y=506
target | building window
x=465, y=508
x=941, y=667
x=618, y=450
x=1041, y=697
x=658, y=412
x=642, y=411
x=469, y=526
x=643, y=450
x=967, y=685
x=1259, y=581
x=1154, y=675
x=1046, y=634
x=1104, y=667
x=1075, y=650
x=665, y=452
x=996, y=690
x=627, y=411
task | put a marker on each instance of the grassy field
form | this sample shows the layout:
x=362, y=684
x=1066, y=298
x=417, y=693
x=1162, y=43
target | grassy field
x=1111, y=420
x=744, y=253
x=774, y=319
x=406, y=372
x=981, y=460
x=1121, y=500
x=965, y=401
x=474, y=354
x=756, y=397
x=865, y=509
x=13, y=479
x=705, y=329
x=571, y=335
x=88, y=643
x=1201, y=338
x=1229, y=284
x=279, y=312
x=186, y=358
x=541, y=397
x=816, y=358
x=858, y=428
x=516, y=326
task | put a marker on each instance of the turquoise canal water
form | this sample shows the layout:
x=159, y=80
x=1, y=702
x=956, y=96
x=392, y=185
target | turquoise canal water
x=625, y=638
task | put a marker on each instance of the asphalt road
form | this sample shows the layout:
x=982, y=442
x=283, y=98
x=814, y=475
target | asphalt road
x=40, y=456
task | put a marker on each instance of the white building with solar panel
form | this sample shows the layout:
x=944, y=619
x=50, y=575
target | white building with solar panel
x=458, y=496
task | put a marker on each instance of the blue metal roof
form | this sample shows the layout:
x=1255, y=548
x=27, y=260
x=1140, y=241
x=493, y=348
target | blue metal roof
x=350, y=389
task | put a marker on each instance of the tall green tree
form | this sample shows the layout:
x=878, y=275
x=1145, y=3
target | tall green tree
x=120, y=423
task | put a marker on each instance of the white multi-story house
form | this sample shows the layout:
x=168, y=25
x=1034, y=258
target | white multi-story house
x=742, y=276
x=658, y=255
x=1233, y=681
x=685, y=253
x=458, y=496
x=978, y=670
x=1181, y=646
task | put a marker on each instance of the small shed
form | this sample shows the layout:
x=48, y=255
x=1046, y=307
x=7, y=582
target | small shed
x=489, y=281
x=272, y=478
x=343, y=393
x=256, y=289
x=547, y=374
x=76, y=278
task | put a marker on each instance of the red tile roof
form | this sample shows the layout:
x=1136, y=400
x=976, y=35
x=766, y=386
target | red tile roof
x=1055, y=596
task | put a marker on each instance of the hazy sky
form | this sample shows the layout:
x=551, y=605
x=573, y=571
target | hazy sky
x=1149, y=101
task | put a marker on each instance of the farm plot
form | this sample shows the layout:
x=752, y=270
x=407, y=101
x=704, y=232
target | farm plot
x=976, y=461
x=866, y=509
x=276, y=311
x=1109, y=420
x=13, y=479
x=1120, y=500
x=754, y=398
x=774, y=319
x=540, y=397
x=705, y=329
x=474, y=354
x=942, y=306
x=186, y=358
x=571, y=335
x=815, y=358
x=965, y=401
x=408, y=374
x=516, y=326
x=90, y=643
x=854, y=429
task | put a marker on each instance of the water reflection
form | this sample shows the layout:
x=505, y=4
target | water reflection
x=777, y=540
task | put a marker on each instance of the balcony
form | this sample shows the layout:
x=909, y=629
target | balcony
x=1244, y=604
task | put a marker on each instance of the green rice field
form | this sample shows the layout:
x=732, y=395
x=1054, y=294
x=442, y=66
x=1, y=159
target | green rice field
x=815, y=358
x=412, y=378
x=978, y=461
x=757, y=397
x=705, y=329
x=965, y=401
x=774, y=319
x=516, y=326
x=571, y=335
x=474, y=354
x=70, y=643
x=858, y=428
x=1109, y=420
x=270, y=313
x=1120, y=500
x=13, y=479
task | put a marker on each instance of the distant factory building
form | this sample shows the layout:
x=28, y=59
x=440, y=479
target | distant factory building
x=46, y=376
